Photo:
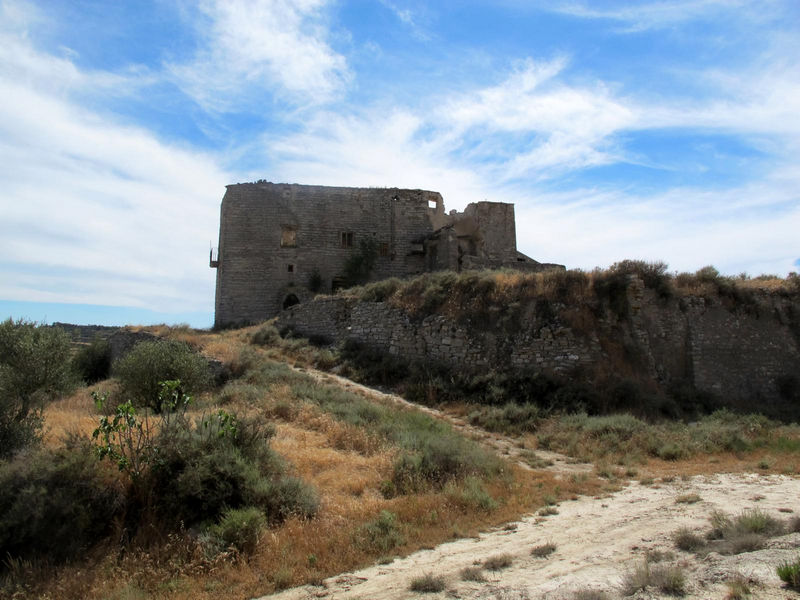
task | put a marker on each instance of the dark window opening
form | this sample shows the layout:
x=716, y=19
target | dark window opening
x=383, y=249
x=290, y=300
x=288, y=237
x=346, y=239
x=290, y=268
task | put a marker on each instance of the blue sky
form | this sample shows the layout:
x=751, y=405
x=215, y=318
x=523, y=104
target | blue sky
x=661, y=130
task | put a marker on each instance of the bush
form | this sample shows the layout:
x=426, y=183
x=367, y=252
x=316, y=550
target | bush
x=55, y=505
x=543, y=551
x=150, y=363
x=472, y=574
x=266, y=335
x=667, y=578
x=34, y=367
x=471, y=493
x=437, y=459
x=498, y=562
x=240, y=528
x=653, y=274
x=223, y=463
x=92, y=363
x=687, y=540
x=511, y=418
x=382, y=534
x=427, y=584
x=190, y=475
x=790, y=573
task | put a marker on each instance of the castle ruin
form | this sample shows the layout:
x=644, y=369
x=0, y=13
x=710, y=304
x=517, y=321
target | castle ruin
x=280, y=244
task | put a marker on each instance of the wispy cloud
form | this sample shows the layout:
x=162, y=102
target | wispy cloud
x=641, y=16
x=566, y=126
x=250, y=51
x=94, y=211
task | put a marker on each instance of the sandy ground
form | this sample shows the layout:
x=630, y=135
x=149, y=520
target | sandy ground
x=598, y=541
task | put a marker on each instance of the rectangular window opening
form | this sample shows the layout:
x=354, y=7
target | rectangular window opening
x=290, y=268
x=288, y=237
x=346, y=239
x=383, y=249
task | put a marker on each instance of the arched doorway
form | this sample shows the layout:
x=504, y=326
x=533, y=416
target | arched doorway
x=290, y=300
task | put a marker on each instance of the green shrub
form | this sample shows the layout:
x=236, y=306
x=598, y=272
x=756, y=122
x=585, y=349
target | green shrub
x=54, y=505
x=666, y=578
x=757, y=521
x=34, y=367
x=437, y=459
x=92, y=362
x=239, y=391
x=790, y=573
x=381, y=534
x=471, y=493
x=511, y=418
x=653, y=274
x=266, y=335
x=190, y=475
x=149, y=363
x=240, y=528
x=223, y=464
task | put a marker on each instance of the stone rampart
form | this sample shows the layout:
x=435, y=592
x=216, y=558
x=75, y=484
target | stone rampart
x=739, y=355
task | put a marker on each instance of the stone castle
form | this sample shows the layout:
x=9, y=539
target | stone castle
x=280, y=244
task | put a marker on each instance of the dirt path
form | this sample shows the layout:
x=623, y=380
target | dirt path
x=597, y=542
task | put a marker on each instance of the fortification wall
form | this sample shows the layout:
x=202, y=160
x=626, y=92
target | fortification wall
x=739, y=356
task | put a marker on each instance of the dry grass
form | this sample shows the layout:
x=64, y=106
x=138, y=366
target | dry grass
x=344, y=463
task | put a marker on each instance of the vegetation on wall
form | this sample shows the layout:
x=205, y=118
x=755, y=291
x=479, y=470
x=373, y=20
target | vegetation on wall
x=358, y=266
x=498, y=298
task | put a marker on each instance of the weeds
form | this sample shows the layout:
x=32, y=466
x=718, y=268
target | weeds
x=428, y=584
x=738, y=588
x=666, y=578
x=543, y=550
x=789, y=572
x=688, y=499
x=472, y=574
x=687, y=540
x=382, y=534
x=498, y=562
x=589, y=594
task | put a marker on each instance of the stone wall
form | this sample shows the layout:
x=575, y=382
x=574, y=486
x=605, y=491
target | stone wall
x=738, y=355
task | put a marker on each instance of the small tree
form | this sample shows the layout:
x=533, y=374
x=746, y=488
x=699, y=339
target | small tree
x=144, y=368
x=93, y=362
x=34, y=367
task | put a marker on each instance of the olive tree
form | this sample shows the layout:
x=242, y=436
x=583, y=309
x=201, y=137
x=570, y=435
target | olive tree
x=34, y=367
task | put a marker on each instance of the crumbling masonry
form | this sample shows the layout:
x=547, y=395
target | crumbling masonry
x=279, y=244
